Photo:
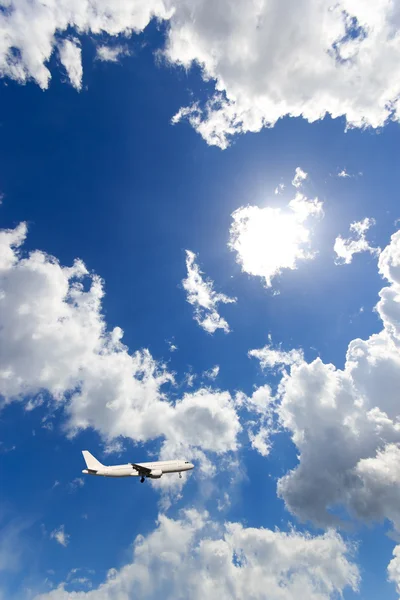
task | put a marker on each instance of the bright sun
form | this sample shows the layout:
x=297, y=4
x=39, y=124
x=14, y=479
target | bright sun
x=268, y=240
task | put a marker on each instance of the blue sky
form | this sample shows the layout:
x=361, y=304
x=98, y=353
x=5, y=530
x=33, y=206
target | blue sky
x=296, y=446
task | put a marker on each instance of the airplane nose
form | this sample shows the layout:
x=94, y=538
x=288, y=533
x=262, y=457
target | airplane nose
x=191, y=466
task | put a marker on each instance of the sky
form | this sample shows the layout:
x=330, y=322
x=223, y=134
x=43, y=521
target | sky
x=200, y=259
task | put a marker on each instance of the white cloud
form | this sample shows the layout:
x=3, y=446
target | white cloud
x=114, y=447
x=225, y=562
x=111, y=53
x=30, y=30
x=10, y=240
x=189, y=379
x=172, y=347
x=201, y=295
x=78, y=577
x=279, y=189
x=76, y=483
x=343, y=174
x=53, y=337
x=345, y=423
x=260, y=428
x=270, y=357
x=259, y=402
x=224, y=503
x=340, y=59
x=268, y=240
x=260, y=440
x=346, y=248
x=60, y=536
x=212, y=373
x=394, y=568
x=204, y=419
x=71, y=58
x=299, y=177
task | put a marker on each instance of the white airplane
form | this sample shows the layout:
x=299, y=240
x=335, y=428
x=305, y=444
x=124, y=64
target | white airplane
x=154, y=470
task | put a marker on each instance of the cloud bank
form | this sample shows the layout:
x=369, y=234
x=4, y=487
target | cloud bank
x=226, y=561
x=345, y=423
x=53, y=338
x=267, y=60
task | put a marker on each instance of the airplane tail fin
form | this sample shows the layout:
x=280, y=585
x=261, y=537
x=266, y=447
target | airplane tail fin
x=91, y=462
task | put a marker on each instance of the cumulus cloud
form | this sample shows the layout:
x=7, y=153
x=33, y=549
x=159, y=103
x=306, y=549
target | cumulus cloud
x=71, y=58
x=53, y=337
x=340, y=59
x=259, y=402
x=343, y=174
x=60, y=536
x=31, y=30
x=229, y=561
x=346, y=248
x=268, y=240
x=111, y=53
x=345, y=423
x=394, y=568
x=201, y=295
x=263, y=403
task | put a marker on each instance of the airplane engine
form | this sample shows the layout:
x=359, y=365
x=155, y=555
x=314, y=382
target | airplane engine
x=155, y=474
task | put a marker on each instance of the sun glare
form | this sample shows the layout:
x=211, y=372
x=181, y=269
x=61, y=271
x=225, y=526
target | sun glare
x=268, y=240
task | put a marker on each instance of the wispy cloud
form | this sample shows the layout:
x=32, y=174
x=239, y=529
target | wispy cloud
x=271, y=357
x=60, y=536
x=200, y=294
x=75, y=484
x=212, y=373
x=114, y=447
x=172, y=347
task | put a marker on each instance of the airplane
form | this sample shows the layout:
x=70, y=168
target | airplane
x=153, y=470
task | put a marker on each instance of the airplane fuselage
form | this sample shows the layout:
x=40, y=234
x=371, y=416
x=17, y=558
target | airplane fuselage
x=154, y=470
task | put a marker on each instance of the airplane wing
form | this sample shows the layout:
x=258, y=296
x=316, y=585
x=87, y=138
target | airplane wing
x=144, y=470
